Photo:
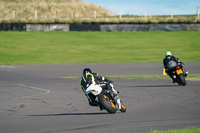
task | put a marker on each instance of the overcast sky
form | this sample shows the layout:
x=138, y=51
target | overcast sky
x=152, y=7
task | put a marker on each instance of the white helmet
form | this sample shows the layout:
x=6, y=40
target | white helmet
x=168, y=54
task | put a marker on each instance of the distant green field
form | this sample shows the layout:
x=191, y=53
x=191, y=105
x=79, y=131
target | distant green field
x=96, y=47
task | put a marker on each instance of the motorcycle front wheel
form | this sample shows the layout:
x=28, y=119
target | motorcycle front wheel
x=107, y=104
x=181, y=80
x=123, y=108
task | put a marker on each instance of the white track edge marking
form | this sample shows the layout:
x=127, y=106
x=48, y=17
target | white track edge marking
x=46, y=91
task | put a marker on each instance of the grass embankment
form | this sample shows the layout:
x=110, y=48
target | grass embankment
x=50, y=11
x=96, y=47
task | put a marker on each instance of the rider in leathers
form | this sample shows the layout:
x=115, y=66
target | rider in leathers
x=169, y=57
x=88, y=78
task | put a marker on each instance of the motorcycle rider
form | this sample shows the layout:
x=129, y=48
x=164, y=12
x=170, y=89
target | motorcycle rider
x=170, y=57
x=88, y=78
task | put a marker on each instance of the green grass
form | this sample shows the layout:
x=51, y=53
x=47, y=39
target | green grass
x=148, y=76
x=139, y=76
x=96, y=47
x=186, y=130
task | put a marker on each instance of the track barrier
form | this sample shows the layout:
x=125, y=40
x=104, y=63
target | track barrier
x=106, y=27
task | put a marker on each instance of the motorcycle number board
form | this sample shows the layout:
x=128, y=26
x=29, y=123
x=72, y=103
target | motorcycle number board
x=179, y=71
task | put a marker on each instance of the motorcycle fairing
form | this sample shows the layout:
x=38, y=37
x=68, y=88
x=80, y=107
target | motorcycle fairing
x=94, y=89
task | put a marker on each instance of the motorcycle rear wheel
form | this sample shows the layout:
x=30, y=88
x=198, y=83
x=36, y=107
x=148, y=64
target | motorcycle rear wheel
x=107, y=104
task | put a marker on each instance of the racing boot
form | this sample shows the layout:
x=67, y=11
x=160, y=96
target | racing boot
x=94, y=103
x=100, y=107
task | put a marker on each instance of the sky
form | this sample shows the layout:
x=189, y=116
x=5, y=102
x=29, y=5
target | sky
x=149, y=7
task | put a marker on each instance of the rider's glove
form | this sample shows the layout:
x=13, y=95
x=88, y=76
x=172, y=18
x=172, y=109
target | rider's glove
x=87, y=92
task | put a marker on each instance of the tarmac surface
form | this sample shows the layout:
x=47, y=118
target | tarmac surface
x=37, y=99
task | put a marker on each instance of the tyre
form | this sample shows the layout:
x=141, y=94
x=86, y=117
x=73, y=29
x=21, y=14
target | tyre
x=123, y=108
x=182, y=80
x=107, y=104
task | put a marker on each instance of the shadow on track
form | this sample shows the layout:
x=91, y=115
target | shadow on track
x=69, y=114
x=152, y=86
x=156, y=86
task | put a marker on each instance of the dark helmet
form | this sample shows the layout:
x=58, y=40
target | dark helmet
x=85, y=71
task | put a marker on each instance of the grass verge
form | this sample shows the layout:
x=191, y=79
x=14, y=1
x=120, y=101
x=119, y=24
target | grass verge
x=139, y=76
x=186, y=130
x=96, y=47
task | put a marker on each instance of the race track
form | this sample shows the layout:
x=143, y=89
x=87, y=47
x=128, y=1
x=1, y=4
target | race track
x=36, y=99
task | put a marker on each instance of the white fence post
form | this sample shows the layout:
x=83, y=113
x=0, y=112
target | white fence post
x=54, y=14
x=95, y=14
x=13, y=14
x=145, y=16
x=120, y=15
x=36, y=14
x=172, y=14
x=72, y=14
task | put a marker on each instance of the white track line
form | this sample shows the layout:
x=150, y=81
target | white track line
x=46, y=91
x=7, y=66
